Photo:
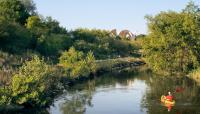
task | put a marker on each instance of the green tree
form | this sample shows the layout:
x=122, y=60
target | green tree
x=173, y=42
x=34, y=24
x=53, y=44
x=101, y=43
x=14, y=37
x=44, y=26
x=191, y=8
x=54, y=26
x=50, y=38
x=30, y=6
x=13, y=10
x=69, y=60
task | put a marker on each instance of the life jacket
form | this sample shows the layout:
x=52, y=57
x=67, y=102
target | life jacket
x=169, y=97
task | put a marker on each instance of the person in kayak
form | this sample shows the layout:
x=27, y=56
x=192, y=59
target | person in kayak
x=169, y=97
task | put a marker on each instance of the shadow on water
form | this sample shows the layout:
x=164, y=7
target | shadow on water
x=135, y=91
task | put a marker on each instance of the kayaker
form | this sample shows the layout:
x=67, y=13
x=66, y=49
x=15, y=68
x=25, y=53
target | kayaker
x=169, y=97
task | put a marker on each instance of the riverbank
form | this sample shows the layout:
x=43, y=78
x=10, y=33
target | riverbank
x=103, y=66
x=117, y=64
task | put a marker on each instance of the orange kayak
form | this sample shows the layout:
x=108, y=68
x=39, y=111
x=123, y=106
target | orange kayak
x=165, y=101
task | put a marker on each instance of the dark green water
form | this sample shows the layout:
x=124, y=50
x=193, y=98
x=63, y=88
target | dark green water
x=128, y=93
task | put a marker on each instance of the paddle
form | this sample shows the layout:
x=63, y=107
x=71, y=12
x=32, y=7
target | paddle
x=179, y=89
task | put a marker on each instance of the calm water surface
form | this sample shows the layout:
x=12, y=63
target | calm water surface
x=129, y=93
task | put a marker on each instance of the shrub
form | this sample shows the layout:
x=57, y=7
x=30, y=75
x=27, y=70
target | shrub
x=5, y=96
x=76, y=65
x=30, y=84
x=90, y=60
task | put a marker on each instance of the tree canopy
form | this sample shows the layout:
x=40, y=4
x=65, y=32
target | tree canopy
x=13, y=10
x=173, y=43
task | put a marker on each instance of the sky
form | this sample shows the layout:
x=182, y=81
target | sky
x=107, y=14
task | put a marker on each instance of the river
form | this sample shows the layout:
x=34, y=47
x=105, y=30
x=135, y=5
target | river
x=130, y=92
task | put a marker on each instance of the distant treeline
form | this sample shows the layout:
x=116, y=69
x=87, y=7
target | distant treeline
x=22, y=28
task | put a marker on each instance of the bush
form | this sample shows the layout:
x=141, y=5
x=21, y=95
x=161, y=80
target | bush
x=76, y=65
x=5, y=96
x=30, y=84
x=90, y=60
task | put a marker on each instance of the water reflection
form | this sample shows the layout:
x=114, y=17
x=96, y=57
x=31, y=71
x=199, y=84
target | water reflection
x=79, y=97
x=105, y=94
x=133, y=92
x=185, y=91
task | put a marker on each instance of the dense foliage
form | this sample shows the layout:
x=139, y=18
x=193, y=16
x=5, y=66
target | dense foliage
x=101, y=43
x=14, y=37
x=173, y=43
x=21, y=28
x=13, y=10
x=76, y=65
x=30, y=85
x=27, y=80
